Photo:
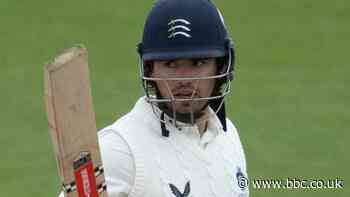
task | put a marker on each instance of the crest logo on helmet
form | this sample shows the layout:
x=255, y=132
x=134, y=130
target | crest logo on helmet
x=179, y=27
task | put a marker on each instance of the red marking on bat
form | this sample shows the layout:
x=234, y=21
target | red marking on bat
x=85, y=181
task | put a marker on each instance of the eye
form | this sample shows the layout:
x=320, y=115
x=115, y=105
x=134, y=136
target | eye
x=169, y=64
x=200, y=62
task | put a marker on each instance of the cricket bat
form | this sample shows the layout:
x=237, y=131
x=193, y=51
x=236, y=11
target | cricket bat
x=72, y=125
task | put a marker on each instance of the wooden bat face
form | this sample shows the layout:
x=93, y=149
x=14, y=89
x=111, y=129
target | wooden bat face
x=72, y=126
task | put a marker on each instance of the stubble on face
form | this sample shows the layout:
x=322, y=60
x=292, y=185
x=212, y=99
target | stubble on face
x=186, y=89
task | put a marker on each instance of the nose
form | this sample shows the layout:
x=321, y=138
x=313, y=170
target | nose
x=184, y=68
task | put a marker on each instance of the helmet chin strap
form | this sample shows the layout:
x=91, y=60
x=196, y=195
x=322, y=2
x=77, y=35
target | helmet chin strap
x=219, y=106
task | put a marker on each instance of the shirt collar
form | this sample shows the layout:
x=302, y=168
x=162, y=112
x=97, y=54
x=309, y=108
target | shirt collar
x=214, y=126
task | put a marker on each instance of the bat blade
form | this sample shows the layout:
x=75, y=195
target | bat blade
x=72, y=124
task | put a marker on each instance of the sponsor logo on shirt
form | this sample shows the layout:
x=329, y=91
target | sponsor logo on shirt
x=177, y=192
x=242, y=181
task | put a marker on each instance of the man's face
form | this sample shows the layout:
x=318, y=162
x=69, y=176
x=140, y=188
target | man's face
x=185, y=89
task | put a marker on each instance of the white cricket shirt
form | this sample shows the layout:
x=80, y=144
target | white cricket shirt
x=140, y=162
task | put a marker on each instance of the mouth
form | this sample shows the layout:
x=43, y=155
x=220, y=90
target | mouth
x=187, y=94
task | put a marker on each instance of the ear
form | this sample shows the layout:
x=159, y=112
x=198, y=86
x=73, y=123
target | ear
x=148, y=68
x=220, y=64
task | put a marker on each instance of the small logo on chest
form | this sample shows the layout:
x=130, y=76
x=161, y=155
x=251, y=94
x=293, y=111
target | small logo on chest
x=242, y=181
x=177, y=192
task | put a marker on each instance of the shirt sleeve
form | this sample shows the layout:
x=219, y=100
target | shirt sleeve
x=118, y=164
x=239, y=147
x=237, y=143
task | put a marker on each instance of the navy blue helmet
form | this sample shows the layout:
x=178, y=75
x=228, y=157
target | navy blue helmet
x=188, y=29
x=177, y=29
